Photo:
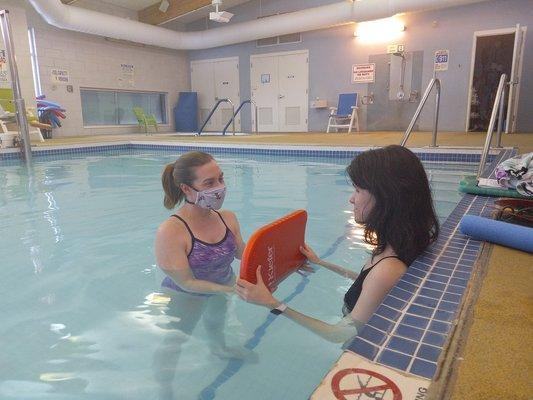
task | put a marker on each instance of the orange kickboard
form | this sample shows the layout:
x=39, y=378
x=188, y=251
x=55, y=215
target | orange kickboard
x=276, y=247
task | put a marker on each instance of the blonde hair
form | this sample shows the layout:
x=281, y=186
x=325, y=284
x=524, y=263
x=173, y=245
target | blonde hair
x=181, y=171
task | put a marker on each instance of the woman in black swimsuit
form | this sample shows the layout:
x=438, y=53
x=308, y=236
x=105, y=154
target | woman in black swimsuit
x=392, y=200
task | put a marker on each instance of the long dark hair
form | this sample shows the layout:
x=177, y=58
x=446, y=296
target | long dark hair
x=403, y=215
x=181, y=171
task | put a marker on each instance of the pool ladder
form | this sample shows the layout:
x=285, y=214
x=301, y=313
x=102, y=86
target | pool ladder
x=433, y=82
x=497, y=109
x=237, y=112
x=220, y=101
x=497, y=112
x=234, y=114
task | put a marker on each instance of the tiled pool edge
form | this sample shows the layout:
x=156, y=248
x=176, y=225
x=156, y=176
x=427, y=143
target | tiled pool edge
x=425, y=154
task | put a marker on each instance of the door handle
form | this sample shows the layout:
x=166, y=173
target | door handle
x=281, y=96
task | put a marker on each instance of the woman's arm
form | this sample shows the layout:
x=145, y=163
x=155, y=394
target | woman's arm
x=259, y=294
x=171, y=255
x=233, y=225
x=313, y=258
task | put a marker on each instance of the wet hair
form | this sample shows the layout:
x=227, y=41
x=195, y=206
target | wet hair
x=181, y=171
x=403, y=215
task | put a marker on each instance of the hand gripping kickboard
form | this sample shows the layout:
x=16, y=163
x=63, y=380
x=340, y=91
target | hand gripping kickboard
x=276, y=247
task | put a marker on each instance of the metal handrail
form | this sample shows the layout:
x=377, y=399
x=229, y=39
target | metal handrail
x=237, y=112
x=213, y=111
x=498, y=104
x=20, y=107
x=432, y=82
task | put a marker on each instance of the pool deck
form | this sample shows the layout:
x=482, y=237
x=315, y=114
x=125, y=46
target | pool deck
x=493, y=352
x=523, y=141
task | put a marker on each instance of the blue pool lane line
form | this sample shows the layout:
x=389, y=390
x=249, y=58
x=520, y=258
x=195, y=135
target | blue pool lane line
x=234, y=364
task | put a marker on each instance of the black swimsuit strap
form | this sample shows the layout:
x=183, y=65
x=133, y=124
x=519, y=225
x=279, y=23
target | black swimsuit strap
x=384, y=258
x=222, y=219
x=186, y=225
x=189, y=228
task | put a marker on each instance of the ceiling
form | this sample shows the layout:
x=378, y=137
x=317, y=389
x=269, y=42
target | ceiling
x=134, y=5
x=137, y=5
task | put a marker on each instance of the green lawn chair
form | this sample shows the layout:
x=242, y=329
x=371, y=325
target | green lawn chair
x=145, y=120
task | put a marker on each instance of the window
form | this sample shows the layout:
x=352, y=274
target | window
x=34, y=62
x=111, y=107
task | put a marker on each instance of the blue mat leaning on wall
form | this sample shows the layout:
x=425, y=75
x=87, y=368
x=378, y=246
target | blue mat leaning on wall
x=186, y=112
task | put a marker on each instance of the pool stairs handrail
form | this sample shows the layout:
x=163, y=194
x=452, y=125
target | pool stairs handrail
x=433, y=82
x=213, y=111
x=237, y=112
x=20, y=105
x=497, y=108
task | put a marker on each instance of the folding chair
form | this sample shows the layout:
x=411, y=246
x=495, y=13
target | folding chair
x=345, y=114
x=145, y=120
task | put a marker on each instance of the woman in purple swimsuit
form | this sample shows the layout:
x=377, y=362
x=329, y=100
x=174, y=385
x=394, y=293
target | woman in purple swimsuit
x=195, y=248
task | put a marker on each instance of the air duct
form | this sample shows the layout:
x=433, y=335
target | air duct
x=92, y=22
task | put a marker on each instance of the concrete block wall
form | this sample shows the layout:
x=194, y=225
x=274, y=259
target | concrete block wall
x=95, y=62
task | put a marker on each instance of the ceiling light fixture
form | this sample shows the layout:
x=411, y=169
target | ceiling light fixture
x=163, y=7
x=219, y=16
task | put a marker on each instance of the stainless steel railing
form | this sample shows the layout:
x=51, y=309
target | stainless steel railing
x=20, y=107
x=252, y=103
x=433, y=82
x=213, y=111
x=496, y=109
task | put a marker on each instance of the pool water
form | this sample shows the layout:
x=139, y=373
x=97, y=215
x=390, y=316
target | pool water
x=83, y=314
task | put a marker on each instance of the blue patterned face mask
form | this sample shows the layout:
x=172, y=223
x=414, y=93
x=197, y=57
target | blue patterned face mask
x=211, y=199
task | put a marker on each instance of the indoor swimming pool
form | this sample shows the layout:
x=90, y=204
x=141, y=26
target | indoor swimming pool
x=84, y=316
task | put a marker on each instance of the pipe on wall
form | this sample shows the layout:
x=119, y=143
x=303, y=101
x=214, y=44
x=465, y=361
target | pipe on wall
x=92, y=22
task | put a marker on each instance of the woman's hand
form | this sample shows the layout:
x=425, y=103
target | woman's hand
x=310, y=254
x=258, y=293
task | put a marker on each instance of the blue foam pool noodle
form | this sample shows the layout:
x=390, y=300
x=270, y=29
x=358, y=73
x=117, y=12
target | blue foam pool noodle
x=504, y=233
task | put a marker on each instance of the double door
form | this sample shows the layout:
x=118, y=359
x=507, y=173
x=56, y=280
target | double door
x=280, y=87
x=214, y=80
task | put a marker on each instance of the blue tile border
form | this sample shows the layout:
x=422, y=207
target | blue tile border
x=340, y=152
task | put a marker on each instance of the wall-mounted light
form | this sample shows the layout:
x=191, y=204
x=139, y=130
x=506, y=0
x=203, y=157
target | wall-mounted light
x=380, y=30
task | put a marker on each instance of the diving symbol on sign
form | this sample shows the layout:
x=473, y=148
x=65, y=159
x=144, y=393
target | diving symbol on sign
x=377, y=386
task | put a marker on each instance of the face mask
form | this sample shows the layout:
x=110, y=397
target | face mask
x=210, y=199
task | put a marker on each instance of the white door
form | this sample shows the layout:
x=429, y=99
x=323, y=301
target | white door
x=279, y=84
x=214, y=80
x=226, y=77
x=264, y=85
x=202, y=82
x=293, y=92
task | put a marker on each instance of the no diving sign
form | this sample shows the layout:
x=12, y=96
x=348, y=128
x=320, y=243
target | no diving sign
x=356, y=378
x=363, y=382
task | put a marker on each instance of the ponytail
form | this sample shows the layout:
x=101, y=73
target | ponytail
x=173, y=193
x=181, y=171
